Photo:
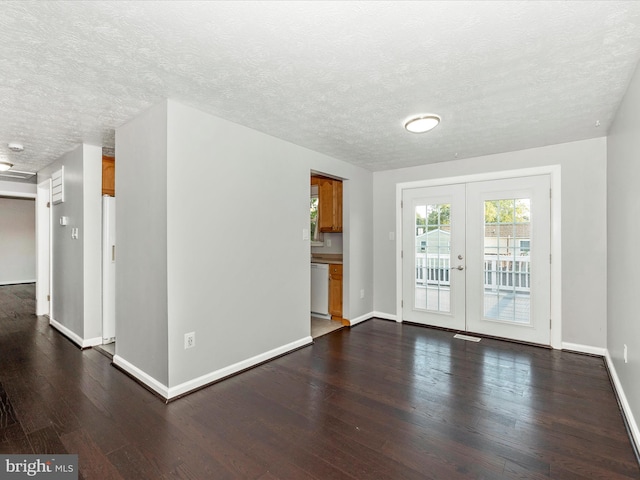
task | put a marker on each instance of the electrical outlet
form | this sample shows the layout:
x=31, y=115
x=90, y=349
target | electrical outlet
x=362, y=293
x=189, y=340
x=328, y=242
x=625, y=353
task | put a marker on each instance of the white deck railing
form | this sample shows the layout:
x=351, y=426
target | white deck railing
x=504, y=273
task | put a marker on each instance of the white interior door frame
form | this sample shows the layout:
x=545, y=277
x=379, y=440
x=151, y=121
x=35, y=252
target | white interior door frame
x=43, y=248
x=554, y=172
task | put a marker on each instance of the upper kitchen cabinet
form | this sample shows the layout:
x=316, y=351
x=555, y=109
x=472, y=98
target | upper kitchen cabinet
x=329, y=204
x=108, y=176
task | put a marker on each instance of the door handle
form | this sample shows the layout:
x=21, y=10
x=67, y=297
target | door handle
x=459, y=267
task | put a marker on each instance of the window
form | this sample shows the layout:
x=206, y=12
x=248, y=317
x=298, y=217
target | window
x=316, y=236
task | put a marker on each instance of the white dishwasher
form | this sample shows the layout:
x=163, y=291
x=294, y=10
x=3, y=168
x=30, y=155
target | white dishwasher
x=320, y=288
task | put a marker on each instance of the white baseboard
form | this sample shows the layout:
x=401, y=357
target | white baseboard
x=361, y=319
x=236, y=367
x=576, y=347
x=16, y=282
x=385, y=316
x=211, y=377
x=74, y=337
x=626, y=408
x=91, y=342
x=135, y=372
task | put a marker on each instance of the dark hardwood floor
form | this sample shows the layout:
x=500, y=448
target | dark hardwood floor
x=378, y=401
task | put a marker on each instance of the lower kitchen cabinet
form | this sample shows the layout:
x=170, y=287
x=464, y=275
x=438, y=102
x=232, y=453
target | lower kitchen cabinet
x=335, y=291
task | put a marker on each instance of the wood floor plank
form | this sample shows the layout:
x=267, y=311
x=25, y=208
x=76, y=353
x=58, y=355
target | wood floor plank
x=46, y=440
x=131, y=463
x=378, y=401
x=92, y=463
x=15, y=440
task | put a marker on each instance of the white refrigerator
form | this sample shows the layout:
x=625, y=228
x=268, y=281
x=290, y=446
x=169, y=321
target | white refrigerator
x=108, y=269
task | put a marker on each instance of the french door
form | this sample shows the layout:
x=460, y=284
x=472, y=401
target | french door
x=476, y=257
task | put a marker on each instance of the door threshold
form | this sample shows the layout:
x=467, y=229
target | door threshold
x=480, y=335
x=468, y=338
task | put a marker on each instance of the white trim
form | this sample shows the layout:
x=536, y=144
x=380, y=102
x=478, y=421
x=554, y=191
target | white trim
x=361, y=318
x=236, y=367
x=626, y=408
x=576, y=347
x=399, y=242
x=43, y=248
x=556, y=255
x=91, y=342
x=556, y=234
x=203, y=380
x=74, y=337
x=386, y=316
x=17, y=282
x=135, y=372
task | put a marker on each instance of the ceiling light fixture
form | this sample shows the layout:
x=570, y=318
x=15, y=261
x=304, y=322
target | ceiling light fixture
x=5, y=166
x=422, y=123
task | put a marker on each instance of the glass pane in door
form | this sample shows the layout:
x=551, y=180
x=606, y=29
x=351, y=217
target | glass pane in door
x=507, y=260
x=432, y=257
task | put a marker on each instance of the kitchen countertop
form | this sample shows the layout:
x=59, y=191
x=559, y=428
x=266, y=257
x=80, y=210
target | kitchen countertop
x=327, y=258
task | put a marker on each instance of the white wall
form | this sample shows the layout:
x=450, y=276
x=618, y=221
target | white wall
x=17, y=240
x=237, y=267
x=623, y=227
x=76, y=280
x=583, y=173
x=141, y=244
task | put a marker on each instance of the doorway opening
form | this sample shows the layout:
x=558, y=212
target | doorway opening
x=325, y=235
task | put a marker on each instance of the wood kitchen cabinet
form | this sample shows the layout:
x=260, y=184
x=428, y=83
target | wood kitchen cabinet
x=335, y=291
x=108, y=176
x=329, y=204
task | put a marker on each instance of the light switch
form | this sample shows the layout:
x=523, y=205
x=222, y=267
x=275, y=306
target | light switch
x=305, y=234
x=74, y=233
x=64, y=221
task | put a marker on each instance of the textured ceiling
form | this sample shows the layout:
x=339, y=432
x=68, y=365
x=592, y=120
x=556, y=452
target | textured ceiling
x=336, y=77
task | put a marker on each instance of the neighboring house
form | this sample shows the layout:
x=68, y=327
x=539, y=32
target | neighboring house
x=434, y=242
x=507, y=240
x=503, y=240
